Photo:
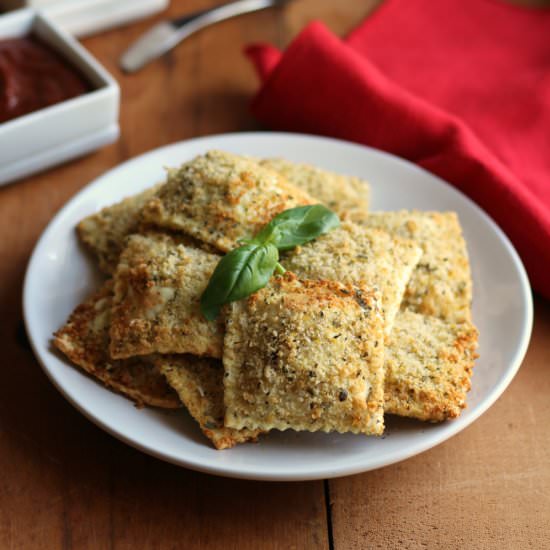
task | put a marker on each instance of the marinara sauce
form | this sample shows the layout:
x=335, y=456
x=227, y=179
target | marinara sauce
x=33, y=76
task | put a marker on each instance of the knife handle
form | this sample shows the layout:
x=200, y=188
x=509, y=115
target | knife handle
x=164, y=36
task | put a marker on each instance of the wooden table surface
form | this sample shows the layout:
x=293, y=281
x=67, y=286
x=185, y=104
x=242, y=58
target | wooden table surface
x=66, y=484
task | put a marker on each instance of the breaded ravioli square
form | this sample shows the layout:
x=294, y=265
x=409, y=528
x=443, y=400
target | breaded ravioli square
x=105, y=232
x=218, y=198
x=441, y=284
x=85, y=341
x=428, y=366
x=156, y=307
x=348, y=196
x=199, y=384
x=358, y=255
x=305, y=355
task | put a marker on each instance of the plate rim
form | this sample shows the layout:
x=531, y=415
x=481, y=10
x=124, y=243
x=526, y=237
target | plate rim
x=227, y=470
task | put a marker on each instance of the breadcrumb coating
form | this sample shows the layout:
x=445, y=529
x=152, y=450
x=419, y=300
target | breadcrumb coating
x=219, y=198
x=199, y=384
x=84, y=339
x=156, y=307
x=305, y=355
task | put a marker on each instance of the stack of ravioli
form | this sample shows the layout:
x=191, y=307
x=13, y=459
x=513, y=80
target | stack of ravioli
x=371, y=318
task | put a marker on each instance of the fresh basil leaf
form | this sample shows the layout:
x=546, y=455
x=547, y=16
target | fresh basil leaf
x=248, y=268
x=239, y=273
x=298, y=226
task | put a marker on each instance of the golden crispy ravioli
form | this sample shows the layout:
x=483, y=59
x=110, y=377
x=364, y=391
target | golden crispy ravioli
x=199, y=384
x=85, y=341
x=305, y=355
x=105, y=232
x=218, y=198
x=428, y=366
x=156, y=307
x=441, y=284
x=358, y=255
x=348, y=196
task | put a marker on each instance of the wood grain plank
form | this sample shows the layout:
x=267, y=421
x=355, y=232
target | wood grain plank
x=224, y=90
x=197, y=511
x=63, y=482
x=340, y=17
x=488, y=487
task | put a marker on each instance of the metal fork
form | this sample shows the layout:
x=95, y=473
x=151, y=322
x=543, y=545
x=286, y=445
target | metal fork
x=164, y=36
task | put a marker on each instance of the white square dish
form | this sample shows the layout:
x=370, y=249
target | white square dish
x=84, y=17
x=81, y=124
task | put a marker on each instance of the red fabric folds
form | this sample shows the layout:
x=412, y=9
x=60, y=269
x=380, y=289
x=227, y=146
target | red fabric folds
x=460, y=87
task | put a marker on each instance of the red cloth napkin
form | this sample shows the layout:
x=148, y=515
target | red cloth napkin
x=461, y=87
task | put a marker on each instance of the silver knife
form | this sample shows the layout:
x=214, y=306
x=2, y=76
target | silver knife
x=164, y=36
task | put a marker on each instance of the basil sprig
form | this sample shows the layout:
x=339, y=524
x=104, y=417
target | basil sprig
x=248, y=268
x=297, y=226
x=238, y=274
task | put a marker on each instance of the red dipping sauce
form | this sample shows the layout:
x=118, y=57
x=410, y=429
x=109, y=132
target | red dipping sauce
x=33, y=76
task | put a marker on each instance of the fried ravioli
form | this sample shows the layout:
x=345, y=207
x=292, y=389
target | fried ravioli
x=428, y=367
x=199, y=384
x=105, y=232
x=156, y=307
x=348, y=196
x=305, y=355
x=441, y=284
x=85, y=341
x=357, y=255
x=218, y=198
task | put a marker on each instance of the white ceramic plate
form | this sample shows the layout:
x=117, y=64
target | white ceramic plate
x=60, y=275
